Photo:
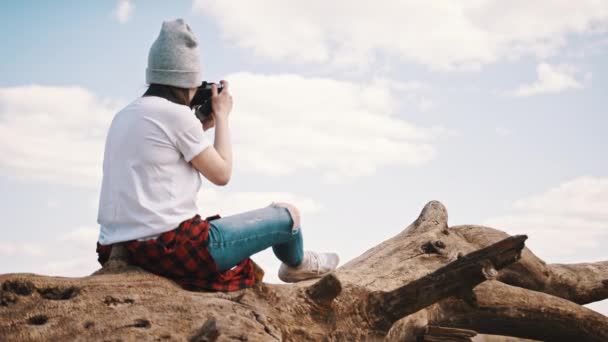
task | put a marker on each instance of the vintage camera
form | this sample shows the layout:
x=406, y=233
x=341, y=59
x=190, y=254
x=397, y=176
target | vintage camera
x=201, y=102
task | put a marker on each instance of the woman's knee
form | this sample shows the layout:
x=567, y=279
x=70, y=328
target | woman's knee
x=293, y=211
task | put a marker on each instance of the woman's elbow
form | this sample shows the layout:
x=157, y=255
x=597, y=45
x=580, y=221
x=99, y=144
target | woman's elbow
x=222, y=181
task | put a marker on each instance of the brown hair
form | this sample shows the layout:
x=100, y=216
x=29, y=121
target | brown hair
x=174, y=94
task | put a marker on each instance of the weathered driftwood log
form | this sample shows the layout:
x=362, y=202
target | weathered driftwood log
x=428, y=283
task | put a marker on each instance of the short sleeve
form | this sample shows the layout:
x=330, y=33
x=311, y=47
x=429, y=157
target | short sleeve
x=191, y=142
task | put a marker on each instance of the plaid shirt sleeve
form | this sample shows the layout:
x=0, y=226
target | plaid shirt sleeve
x=182, y=255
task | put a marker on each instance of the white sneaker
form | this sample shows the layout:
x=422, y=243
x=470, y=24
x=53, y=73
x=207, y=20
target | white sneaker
x=314, y=265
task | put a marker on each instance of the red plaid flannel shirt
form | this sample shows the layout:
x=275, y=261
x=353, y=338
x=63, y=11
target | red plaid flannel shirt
x=181, y=255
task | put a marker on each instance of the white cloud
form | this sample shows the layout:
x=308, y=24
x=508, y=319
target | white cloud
x=28, y=249
x=79, y=266
x=53, y=204
x=442, y=35
x=551, y=79
x=81, y=236
x=212, y=201
x=567, y=222
x=590, y=48
x=412, y=93
x=281, y=124
x=503, y=131
x=581, y=197
x=53, y=134
x=285, y=123
x=69, y=254
x=124, y=10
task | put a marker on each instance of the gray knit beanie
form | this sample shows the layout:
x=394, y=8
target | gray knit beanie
x=173, y=59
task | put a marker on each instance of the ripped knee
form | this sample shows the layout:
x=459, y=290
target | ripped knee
x=293, y=211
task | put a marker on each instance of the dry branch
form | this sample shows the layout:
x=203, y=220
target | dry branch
x=502, y=309
x=581, y=283
x=453, y=279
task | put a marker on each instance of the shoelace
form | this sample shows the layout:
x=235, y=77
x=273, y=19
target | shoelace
x=314, y=259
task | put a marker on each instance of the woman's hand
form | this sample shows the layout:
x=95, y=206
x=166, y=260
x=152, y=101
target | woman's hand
x=221, y=103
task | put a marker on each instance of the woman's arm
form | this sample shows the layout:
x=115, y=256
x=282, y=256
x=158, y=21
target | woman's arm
x=215, y=163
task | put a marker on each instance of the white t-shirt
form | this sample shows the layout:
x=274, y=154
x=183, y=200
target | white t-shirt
x=148, y=184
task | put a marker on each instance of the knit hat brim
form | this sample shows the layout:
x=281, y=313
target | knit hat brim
x=176, y=78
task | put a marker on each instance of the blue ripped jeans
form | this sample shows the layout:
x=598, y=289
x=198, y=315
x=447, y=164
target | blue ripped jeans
x=236, y=237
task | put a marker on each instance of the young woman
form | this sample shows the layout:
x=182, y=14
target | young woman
x=155, y=154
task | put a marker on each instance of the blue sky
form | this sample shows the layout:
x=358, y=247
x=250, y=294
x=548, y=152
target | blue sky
x=359, y=115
